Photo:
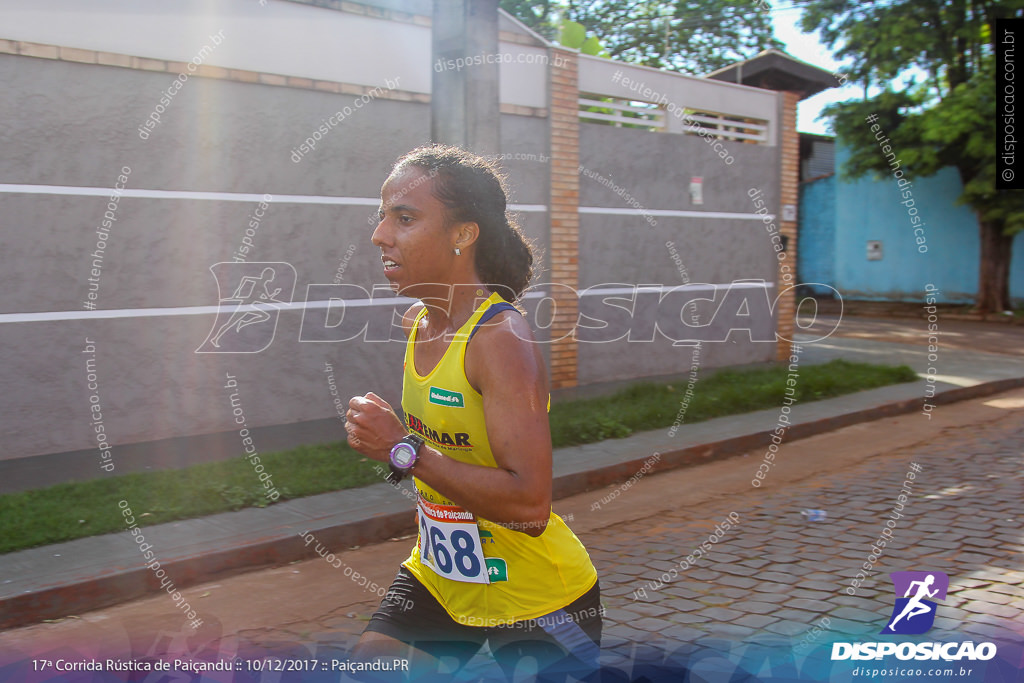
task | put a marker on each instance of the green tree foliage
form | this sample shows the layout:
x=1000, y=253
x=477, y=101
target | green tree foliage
x=547, y=19
x=574, y=35
x=540, y=15
x=943, y=118
x=691, y=36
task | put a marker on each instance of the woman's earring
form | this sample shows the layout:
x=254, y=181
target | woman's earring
x=458, y=252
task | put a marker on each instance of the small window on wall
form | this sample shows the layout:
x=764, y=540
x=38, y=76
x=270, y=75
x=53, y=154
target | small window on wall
x=874, y=250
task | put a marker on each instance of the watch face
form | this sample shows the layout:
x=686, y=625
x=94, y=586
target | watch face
x=403, y=455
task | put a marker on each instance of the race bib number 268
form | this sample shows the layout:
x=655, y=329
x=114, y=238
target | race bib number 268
x=450, y=543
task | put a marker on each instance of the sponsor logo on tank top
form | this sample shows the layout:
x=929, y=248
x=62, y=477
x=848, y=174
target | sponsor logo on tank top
x=497, y=569
x=456, y=440
x=443, y=397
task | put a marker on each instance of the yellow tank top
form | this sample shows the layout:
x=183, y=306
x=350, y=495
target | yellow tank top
x=529, y=576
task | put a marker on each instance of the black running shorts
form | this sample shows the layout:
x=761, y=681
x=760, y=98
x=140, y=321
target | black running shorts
x=570, y=636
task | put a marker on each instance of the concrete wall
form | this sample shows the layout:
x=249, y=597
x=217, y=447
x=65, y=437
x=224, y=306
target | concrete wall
x=678, y=93
x=231, y=135
x=868, y=209
x=308, y=41
x=74, y=125
x=634, y=199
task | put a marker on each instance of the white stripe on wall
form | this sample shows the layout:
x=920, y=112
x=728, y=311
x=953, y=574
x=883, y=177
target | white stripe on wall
x=695, y=287
x=56, y=316
x=213, y=196
x=182, y=310
x=612, y=211
x=343, y=201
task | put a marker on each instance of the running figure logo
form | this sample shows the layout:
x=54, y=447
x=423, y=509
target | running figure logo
x=914, y=613
x=247, y=319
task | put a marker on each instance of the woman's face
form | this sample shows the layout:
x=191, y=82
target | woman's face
x=416, y=246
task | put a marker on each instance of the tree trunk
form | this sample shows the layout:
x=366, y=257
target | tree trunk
x=994, y=268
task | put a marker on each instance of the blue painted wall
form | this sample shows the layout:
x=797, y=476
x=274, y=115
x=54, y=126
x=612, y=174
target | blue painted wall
x=1017, y=271
x=868, y=209
x=816, y=248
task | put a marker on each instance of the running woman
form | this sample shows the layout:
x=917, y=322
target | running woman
x=492, y=562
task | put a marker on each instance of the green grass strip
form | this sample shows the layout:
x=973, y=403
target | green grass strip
x=726, y=392
x=75, y=510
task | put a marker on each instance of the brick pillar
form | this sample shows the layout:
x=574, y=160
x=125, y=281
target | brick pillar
x=564, y=121
x=789, y=184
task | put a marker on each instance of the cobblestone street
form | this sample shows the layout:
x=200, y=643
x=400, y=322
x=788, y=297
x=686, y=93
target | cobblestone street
x=777, y=573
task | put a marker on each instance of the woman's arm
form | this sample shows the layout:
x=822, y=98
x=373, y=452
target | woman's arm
x=506, y=367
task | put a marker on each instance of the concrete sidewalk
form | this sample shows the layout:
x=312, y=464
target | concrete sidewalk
x=90, y=573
